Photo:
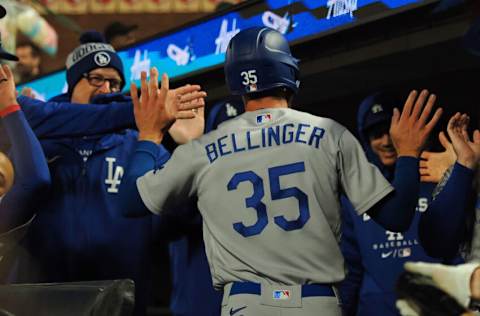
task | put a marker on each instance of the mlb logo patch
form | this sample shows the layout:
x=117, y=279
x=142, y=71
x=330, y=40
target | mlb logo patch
x=264, y=118
x=281, y=295
x=405, y=252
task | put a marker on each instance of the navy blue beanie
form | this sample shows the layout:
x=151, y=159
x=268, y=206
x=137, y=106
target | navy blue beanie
x=380, y=109
x=93, y=53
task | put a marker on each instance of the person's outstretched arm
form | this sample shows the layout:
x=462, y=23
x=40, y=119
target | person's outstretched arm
x=64, y=119
x=174, y=104
x=445, y=217
x=409, y=131
x=32, y=178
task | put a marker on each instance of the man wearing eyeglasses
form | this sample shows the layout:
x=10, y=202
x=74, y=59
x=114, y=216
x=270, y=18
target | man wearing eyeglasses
x=106, y=80
x=93, y=68
x=80, y=234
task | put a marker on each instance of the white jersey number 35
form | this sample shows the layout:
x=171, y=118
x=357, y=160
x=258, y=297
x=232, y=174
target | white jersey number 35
x=249, y=77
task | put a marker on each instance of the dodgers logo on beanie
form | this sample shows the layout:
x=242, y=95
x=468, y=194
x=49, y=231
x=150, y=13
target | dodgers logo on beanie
x=93, y=53
x=102, y=59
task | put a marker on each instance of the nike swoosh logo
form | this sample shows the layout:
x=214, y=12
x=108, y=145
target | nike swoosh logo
x=234, y=311
x=385, y=255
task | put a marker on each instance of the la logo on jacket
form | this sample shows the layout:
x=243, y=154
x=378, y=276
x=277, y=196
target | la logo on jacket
x=114, y=176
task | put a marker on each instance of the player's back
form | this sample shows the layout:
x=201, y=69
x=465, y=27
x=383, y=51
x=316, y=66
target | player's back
x=273, y=177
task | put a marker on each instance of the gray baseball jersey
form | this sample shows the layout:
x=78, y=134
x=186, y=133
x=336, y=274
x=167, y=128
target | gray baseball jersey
x=268, y=184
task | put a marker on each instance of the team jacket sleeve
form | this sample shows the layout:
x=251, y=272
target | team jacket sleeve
x=395, y=212
x=172, y=186
x=144, y=159
x=62, y=119
x=445, y=216
x=32, y=178
x=350, y=286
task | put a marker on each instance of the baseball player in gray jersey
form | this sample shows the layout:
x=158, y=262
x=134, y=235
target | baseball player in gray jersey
x=267, y=183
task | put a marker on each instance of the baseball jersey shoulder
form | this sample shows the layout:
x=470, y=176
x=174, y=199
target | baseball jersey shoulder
x=177, y=177
x=362, y=182
x=324, y=122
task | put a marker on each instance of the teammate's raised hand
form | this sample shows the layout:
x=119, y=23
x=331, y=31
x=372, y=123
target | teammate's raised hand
x=183, y=131
x=410, y=129
x=468, y=151
x=8, y=94
x=157, y=109
x=434, y=164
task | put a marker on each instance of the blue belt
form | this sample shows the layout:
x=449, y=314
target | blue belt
x=308, y=290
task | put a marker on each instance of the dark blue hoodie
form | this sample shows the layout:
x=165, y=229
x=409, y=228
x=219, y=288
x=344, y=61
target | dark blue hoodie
x=374, y=256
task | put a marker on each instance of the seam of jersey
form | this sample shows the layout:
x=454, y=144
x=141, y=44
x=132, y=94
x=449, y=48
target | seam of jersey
x=374, y=199
x=196, y=175
x=339, y=152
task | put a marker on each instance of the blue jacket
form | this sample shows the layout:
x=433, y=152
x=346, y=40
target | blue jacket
x=79, y=233
x=374, y=256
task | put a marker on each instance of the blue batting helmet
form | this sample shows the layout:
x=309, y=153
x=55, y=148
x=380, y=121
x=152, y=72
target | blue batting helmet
x=259, y=59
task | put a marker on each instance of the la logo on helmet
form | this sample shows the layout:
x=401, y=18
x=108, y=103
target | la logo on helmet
x=101, y=59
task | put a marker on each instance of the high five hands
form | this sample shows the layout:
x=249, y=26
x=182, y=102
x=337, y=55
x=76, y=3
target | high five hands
x=462, y=148
x=466, y=149
x=157, y=109
x=410, y=129
x=434, y=164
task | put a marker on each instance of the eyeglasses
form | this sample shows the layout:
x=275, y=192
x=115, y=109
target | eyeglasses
x=98, y=81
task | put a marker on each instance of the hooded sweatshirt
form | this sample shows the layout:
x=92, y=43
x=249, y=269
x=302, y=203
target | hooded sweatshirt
x=375, y=256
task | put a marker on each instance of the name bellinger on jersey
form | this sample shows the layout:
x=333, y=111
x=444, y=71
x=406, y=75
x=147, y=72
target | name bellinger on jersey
x=275, y=135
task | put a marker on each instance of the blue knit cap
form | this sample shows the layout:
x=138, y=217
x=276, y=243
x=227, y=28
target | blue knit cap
x=93, y=53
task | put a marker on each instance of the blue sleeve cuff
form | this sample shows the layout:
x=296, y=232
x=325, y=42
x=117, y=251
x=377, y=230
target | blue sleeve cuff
x=463, y=171
x=148, y=147
x=396, y=211
x=408, y=162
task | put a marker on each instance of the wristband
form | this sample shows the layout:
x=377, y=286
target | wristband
x=9, y=109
